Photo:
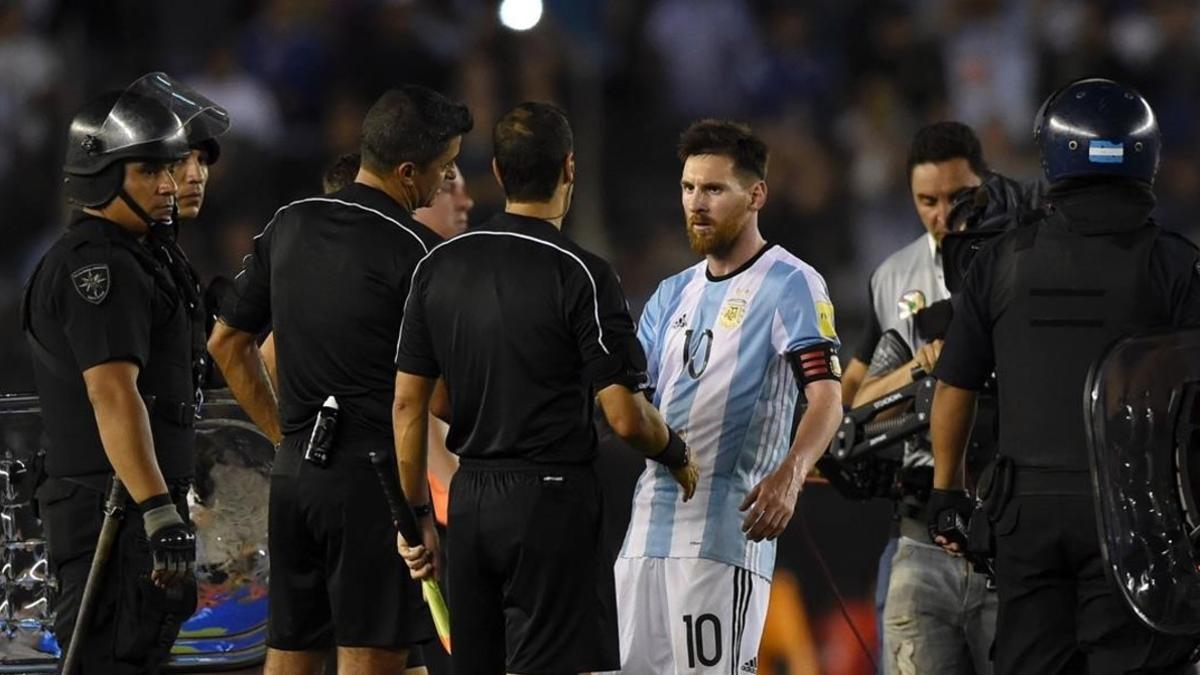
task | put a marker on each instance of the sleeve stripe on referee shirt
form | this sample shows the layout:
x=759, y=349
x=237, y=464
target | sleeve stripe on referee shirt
x=476, y=233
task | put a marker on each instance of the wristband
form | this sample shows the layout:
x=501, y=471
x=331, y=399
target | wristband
x=675, y=455
x=159, y=517
x=155, y=502
x=423, y=510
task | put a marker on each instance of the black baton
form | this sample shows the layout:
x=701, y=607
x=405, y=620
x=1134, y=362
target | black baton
x=114, y=512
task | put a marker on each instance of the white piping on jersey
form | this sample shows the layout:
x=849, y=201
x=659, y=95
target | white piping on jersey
x=591, y=279
x=343, y=203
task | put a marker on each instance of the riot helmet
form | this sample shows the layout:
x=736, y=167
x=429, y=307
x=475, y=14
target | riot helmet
x=113, y=129
x=1097, y=127
x=203, y=120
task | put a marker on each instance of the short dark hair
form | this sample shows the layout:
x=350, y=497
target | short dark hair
x=730, y=139
x=341, y=173
x=410, y=123
x=531, y=141
x=944, y=141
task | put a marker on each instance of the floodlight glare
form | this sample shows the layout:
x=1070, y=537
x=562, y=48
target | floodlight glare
x=520, y=14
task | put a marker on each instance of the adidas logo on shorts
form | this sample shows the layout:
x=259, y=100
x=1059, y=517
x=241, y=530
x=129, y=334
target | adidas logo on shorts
x=750, y=666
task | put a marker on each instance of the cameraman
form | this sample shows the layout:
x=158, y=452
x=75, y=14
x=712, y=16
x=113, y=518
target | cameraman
x=937, y=614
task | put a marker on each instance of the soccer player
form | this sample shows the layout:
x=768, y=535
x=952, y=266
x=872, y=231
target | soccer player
x=730, y=343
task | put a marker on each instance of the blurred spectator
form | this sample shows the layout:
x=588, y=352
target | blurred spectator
x=710, y=51
x=251, y=104
x=990, y=64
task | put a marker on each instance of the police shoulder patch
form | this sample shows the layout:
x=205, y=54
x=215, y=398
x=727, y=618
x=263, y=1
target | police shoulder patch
x=92, y=282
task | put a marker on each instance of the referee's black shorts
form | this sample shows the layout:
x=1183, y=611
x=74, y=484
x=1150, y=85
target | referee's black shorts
x=531, y=586
x=336, y=578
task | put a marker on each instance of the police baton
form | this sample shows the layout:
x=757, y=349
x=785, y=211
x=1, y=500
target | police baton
x=406, y=524
x=114, y=512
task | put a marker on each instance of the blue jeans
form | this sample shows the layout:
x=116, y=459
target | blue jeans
x=939, y=617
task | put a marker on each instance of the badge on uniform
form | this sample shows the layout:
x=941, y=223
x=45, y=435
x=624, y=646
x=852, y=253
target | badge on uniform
x=92, y=282
x=825, y=319
x=910, y=303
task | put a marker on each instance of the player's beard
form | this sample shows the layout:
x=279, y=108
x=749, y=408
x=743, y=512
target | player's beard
x=718, y=239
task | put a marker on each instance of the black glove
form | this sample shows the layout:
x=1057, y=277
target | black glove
x=949, y=513
x=172, y=544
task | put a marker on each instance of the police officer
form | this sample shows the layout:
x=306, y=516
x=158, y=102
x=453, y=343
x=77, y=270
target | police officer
x=525, y=327
x=329, y=275
x=936, y=613
x=1038, y=307
x=111, y=333
x=203, y=122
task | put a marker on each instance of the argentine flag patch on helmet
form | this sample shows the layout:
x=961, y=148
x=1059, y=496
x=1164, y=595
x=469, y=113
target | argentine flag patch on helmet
x=1106, y=152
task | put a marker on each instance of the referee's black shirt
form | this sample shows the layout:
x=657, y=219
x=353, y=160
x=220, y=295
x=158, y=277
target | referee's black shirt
x=522, y=324
x=329, y=276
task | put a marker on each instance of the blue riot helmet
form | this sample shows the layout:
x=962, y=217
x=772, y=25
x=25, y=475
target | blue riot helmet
x=1097, y=127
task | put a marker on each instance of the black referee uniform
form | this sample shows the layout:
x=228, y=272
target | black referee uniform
x=329, y=275
x=524, y=326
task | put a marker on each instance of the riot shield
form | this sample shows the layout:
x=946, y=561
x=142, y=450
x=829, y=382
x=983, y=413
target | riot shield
x=1142, y=413
x=229, y=508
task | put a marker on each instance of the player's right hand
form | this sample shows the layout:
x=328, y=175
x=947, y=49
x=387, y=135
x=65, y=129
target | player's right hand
x=687, y=476
x=422, y=560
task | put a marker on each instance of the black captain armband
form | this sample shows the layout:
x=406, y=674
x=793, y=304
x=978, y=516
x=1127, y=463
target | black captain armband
x=675, y=455
x=818, y=362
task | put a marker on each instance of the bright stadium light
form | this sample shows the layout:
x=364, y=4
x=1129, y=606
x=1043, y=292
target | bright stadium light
x=520, y=14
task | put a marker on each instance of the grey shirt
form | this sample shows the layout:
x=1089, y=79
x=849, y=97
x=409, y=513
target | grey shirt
x=910, y=280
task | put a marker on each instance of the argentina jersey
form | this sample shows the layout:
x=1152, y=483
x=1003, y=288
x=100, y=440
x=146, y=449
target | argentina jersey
x=716, y=349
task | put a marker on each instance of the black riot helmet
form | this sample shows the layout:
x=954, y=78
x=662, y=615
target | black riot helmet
x=113, y=129
x=203, y=120
x=1097, y=127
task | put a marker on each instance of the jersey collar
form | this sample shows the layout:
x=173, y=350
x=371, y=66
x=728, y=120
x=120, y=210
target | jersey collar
x=741, y=268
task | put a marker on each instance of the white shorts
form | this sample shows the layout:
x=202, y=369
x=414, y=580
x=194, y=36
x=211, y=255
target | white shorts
x=689, y=615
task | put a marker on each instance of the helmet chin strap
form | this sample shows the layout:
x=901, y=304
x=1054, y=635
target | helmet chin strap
x=157, y=228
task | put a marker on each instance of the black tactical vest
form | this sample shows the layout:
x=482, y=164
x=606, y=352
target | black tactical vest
x=1063, y=297
x=166, y=382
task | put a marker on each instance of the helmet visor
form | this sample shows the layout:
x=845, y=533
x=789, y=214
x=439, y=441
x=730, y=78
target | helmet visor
x=201, y=118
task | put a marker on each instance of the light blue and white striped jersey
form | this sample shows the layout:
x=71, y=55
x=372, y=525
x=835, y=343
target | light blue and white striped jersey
x=716, y=350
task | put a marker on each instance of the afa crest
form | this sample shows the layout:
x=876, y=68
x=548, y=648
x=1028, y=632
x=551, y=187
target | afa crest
x=733, y=312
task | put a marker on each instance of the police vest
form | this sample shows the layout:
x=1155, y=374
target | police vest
x=1063, y=297
x=166, y=382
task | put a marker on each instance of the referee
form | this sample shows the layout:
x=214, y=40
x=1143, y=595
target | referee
x=330, y=275
x=526, y=328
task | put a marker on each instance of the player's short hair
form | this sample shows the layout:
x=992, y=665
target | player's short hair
x=341, y=172
x=729, y=139
x=531, y=141
x=944, y=141
x=410, y=123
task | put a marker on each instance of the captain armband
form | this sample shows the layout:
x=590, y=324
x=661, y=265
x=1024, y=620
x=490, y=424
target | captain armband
x=818, y=362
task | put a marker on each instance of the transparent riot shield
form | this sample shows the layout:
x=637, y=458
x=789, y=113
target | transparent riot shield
x=229, y=508
x=1142, y=412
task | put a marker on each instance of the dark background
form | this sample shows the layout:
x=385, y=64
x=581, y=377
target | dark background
x=836, y=87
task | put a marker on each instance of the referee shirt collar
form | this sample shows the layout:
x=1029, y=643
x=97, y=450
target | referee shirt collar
x=375, y=199
x=528, y=224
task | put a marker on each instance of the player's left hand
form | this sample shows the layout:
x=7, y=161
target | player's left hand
x=771, y=503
